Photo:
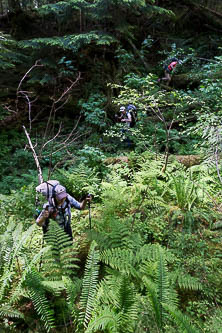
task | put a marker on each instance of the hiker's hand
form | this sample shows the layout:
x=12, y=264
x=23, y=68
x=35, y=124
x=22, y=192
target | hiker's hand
x=45, y=214
x=42, y=217
x=89, y=197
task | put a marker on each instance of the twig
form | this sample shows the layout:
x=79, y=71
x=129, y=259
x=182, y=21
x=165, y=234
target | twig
x=68, y=89
x=35, y=65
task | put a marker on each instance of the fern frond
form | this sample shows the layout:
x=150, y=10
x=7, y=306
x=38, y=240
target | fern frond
x=55, y=287
x=120, y=236
x=152, y=292
x=162, y=279
x=89, y=284
x=37, y=294
x=127, y=303
x=19, y=290
x=180, y=319
x=107, y=319
x=61, y=259
x=8, y=311
x=73, y=288
x=152, y=252
x=185, y=281
x=121, y=259
x=12, y=248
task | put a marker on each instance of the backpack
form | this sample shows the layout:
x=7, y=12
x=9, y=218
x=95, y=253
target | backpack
x=133, y=112
x=165, y=65
x=49, y=189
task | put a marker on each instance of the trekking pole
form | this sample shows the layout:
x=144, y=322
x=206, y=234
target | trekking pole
x=90, y=221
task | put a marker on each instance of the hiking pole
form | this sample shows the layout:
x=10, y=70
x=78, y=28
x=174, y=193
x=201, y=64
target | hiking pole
x=90, y=220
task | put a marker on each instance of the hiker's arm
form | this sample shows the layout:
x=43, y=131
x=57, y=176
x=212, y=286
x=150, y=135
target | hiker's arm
x=128, y=119
x=76, y=204
x=42, y=217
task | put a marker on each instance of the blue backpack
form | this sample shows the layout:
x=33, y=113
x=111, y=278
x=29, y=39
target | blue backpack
x=133, y=112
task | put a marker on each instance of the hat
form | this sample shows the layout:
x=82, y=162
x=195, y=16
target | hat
x=122, y=108
x=60, y=192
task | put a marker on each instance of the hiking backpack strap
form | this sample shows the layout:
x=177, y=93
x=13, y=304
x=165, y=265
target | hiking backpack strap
x=51, y=199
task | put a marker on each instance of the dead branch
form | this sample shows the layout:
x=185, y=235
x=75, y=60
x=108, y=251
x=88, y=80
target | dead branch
x=68, y=89
x=167, y=127
x=26, y=74
x=40, y=176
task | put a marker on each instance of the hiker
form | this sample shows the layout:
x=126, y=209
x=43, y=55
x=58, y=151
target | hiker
x=131, y=109
x=59, y=209
x=125, y=116
x=126, y=119
x=168, y=70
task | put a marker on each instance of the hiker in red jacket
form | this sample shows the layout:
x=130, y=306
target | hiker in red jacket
x=168, y=70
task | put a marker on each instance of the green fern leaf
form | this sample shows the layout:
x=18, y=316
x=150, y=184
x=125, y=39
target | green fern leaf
x=61, y=259
x=89, y=284
x=37, y=294
x=107, y=319
x=151, y=289
x=8, y=312
x=180, y=319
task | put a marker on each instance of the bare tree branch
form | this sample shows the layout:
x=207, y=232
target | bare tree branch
x=40, y=176
x=26, y=74
x=68, y=89
x=167, y=128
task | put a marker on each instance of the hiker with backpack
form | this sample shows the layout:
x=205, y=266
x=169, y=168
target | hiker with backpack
x=128, y=117
x=131, y=109
x=125, y=116
x=58, y=206
x=168, y=70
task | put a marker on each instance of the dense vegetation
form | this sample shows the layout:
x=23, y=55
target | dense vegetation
x=152, y=260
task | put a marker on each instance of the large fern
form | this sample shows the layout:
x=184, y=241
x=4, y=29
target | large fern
x=89, y=285
x=159, y=290
x=12, y=254
x=62, y=258
x=115, y=306
x=36, y=291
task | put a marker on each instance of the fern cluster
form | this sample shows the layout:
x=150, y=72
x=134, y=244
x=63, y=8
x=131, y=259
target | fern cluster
x=61, y=259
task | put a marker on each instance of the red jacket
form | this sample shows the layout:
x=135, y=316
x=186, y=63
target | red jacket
x=172, y=65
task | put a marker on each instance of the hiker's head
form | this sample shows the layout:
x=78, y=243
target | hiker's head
x=122, y=109
x=60, y=194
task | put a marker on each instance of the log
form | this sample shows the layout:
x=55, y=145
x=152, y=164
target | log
x=193, y=80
